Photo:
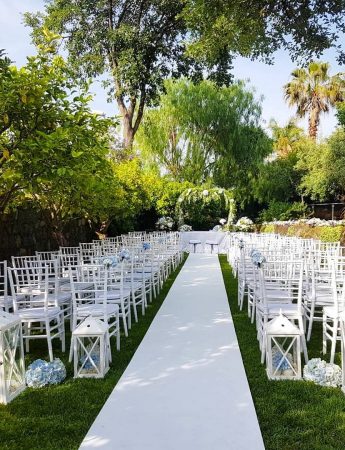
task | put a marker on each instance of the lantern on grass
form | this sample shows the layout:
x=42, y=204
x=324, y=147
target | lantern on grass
x=12, y=369
x=283, y=349
x=91, y=349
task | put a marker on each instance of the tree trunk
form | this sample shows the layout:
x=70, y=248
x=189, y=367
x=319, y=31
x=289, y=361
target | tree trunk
x=314, y=120
x=128, y=133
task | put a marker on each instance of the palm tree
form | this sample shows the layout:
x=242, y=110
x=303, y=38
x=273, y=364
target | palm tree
x=285, y=138
x=314, y=91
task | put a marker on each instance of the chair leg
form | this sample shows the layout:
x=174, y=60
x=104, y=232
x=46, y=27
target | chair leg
x=324, y=337
x=334, y=339
x=49, y=340
x=311, y=319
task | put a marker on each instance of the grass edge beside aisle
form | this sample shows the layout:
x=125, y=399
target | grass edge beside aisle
x=293, y=415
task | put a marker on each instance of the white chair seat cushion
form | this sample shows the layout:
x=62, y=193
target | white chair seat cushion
x=114, y=294
x=332, y=312
x=194, y=241
x=36, y=314
x=97, y=310
x=285, y=308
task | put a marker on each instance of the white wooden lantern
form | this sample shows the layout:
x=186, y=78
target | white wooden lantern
x=283, y=349
x=12, y=368
x=91, y=349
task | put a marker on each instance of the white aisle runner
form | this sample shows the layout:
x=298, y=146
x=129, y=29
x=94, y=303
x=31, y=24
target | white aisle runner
x=185, y=388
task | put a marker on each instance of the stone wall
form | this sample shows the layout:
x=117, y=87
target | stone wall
x=24, y=231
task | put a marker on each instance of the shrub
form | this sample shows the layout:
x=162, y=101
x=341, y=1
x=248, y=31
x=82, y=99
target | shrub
x=283, y=211
x=331, y=234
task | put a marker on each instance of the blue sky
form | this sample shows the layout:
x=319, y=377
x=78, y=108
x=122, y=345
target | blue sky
x=267, y=80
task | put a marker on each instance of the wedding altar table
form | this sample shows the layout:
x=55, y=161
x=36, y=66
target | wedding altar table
x=219, y=238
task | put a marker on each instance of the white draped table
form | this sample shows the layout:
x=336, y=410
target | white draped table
x=220, y=237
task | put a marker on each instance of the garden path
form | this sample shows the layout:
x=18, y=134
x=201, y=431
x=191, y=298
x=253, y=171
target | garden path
x=185, y=387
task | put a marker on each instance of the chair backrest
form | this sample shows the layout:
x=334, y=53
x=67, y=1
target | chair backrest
x=30, y=286
x=3, y=286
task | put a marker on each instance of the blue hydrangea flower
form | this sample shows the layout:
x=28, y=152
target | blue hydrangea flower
x=109, y=261
x=42, y=373
x=146, y=246
x=125, y=255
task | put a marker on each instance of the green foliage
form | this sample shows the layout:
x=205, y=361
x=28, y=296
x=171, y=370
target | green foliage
x=201, y=132
x=267, y=228
x=202, y=207
x=283, y=211
x=331, y=234
x=135, y=44
x=323, y=167
x=169, y=193
x=259, y=28
x=277, y=180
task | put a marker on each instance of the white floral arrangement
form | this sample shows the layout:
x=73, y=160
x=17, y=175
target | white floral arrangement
x=42, y=373
x=109, y=261
x=185, y=227
x=313, y=222
x=244, y=224
x=124, y=255
x=222, y=222
x=217, y=228
x=322, y=373
x=165, y=223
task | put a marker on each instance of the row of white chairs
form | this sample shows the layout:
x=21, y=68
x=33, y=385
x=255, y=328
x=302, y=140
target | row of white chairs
x=76, y=282
x=302, y=278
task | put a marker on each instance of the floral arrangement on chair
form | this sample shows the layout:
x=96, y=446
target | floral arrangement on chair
x=42, y=373
x=146, y=246
x=109, y=261
x=185, y=227
x=125, y=255
x=322, y=373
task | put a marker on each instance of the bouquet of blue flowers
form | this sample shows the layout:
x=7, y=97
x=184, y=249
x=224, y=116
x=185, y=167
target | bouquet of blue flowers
x=146, y=246
x=42, y=373
x=125, y=255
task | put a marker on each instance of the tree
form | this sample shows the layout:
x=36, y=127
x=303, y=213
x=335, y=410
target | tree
x=323, y=168
x=203, y=131
x=137, y=44
x=314, y=91
x=285, y=138
x=258, y=28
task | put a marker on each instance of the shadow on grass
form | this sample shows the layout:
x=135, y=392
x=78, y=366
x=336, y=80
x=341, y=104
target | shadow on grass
x=58, y=417
x=293, y=415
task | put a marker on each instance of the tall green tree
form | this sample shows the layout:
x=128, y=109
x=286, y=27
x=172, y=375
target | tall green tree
x=135, y=44
x=314, y=91
x=323, y=168
x=201, y=131
x=258, y=28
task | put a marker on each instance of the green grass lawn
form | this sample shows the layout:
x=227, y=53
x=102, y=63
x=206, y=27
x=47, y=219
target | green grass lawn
x=58, y=417
x=293, y=415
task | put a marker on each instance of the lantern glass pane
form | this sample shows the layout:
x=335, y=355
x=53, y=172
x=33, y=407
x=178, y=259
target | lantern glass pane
x=13, y=362
x=89, y=357
x=284, y=356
